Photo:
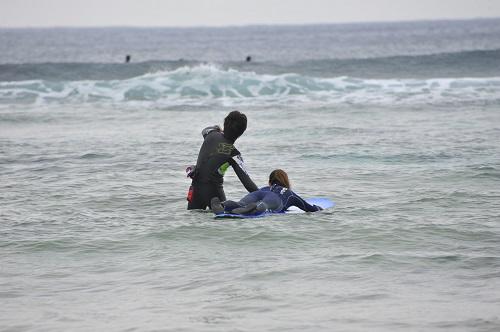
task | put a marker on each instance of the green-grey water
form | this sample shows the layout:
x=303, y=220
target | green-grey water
x=94, y=231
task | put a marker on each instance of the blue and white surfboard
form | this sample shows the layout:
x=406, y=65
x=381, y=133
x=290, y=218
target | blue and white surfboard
x=324, y=203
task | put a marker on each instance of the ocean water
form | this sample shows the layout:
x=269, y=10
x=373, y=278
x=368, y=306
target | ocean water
x=398, y=123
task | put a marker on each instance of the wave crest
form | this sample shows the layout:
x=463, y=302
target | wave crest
x=203, y=84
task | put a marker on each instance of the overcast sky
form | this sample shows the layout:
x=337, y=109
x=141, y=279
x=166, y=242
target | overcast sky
x=48, y=13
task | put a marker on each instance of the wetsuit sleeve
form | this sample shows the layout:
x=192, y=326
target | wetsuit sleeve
x=239, y=168
x=208, y=130
x=296, y=200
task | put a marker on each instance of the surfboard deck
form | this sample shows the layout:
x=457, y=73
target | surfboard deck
x=325, y=203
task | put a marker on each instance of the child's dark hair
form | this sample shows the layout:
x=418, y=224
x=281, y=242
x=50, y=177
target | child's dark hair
x=279, y=177
x=235, y=125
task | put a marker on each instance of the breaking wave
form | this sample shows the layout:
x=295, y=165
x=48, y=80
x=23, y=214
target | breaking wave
x=204, y=84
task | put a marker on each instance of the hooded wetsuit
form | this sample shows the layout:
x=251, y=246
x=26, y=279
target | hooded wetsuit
x=274, y=199
x=217, y=153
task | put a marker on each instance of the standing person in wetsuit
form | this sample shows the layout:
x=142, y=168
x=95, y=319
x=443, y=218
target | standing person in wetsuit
x=217, y=153
x=277, y=197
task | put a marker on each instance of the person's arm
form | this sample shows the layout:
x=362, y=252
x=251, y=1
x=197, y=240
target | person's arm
x=296, y=200
x=238, y=165
x=208, y=130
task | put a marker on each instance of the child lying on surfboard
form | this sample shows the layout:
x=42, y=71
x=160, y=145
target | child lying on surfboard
x=277, y=197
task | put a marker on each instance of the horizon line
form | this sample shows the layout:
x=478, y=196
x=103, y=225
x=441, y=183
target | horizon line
x=244, y=25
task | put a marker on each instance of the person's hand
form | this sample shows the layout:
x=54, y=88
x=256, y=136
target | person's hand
x=318, y=208
x=190, y=171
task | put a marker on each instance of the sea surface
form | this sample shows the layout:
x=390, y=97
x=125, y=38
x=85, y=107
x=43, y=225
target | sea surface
x=398, y=123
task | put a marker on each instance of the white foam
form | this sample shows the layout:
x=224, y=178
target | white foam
x=208, y=83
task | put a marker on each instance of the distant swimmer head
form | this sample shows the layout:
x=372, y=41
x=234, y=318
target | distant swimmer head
x=279, y=177
x=235, y=125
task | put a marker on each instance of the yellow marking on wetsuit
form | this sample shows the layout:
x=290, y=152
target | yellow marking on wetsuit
x=224, y=148
x=223, y=168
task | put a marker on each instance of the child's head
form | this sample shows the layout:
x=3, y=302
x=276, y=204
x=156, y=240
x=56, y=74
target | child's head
x=235, y=125
x=279, y=177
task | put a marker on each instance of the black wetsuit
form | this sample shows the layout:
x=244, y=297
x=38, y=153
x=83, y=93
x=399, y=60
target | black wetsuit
x=217, y=153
